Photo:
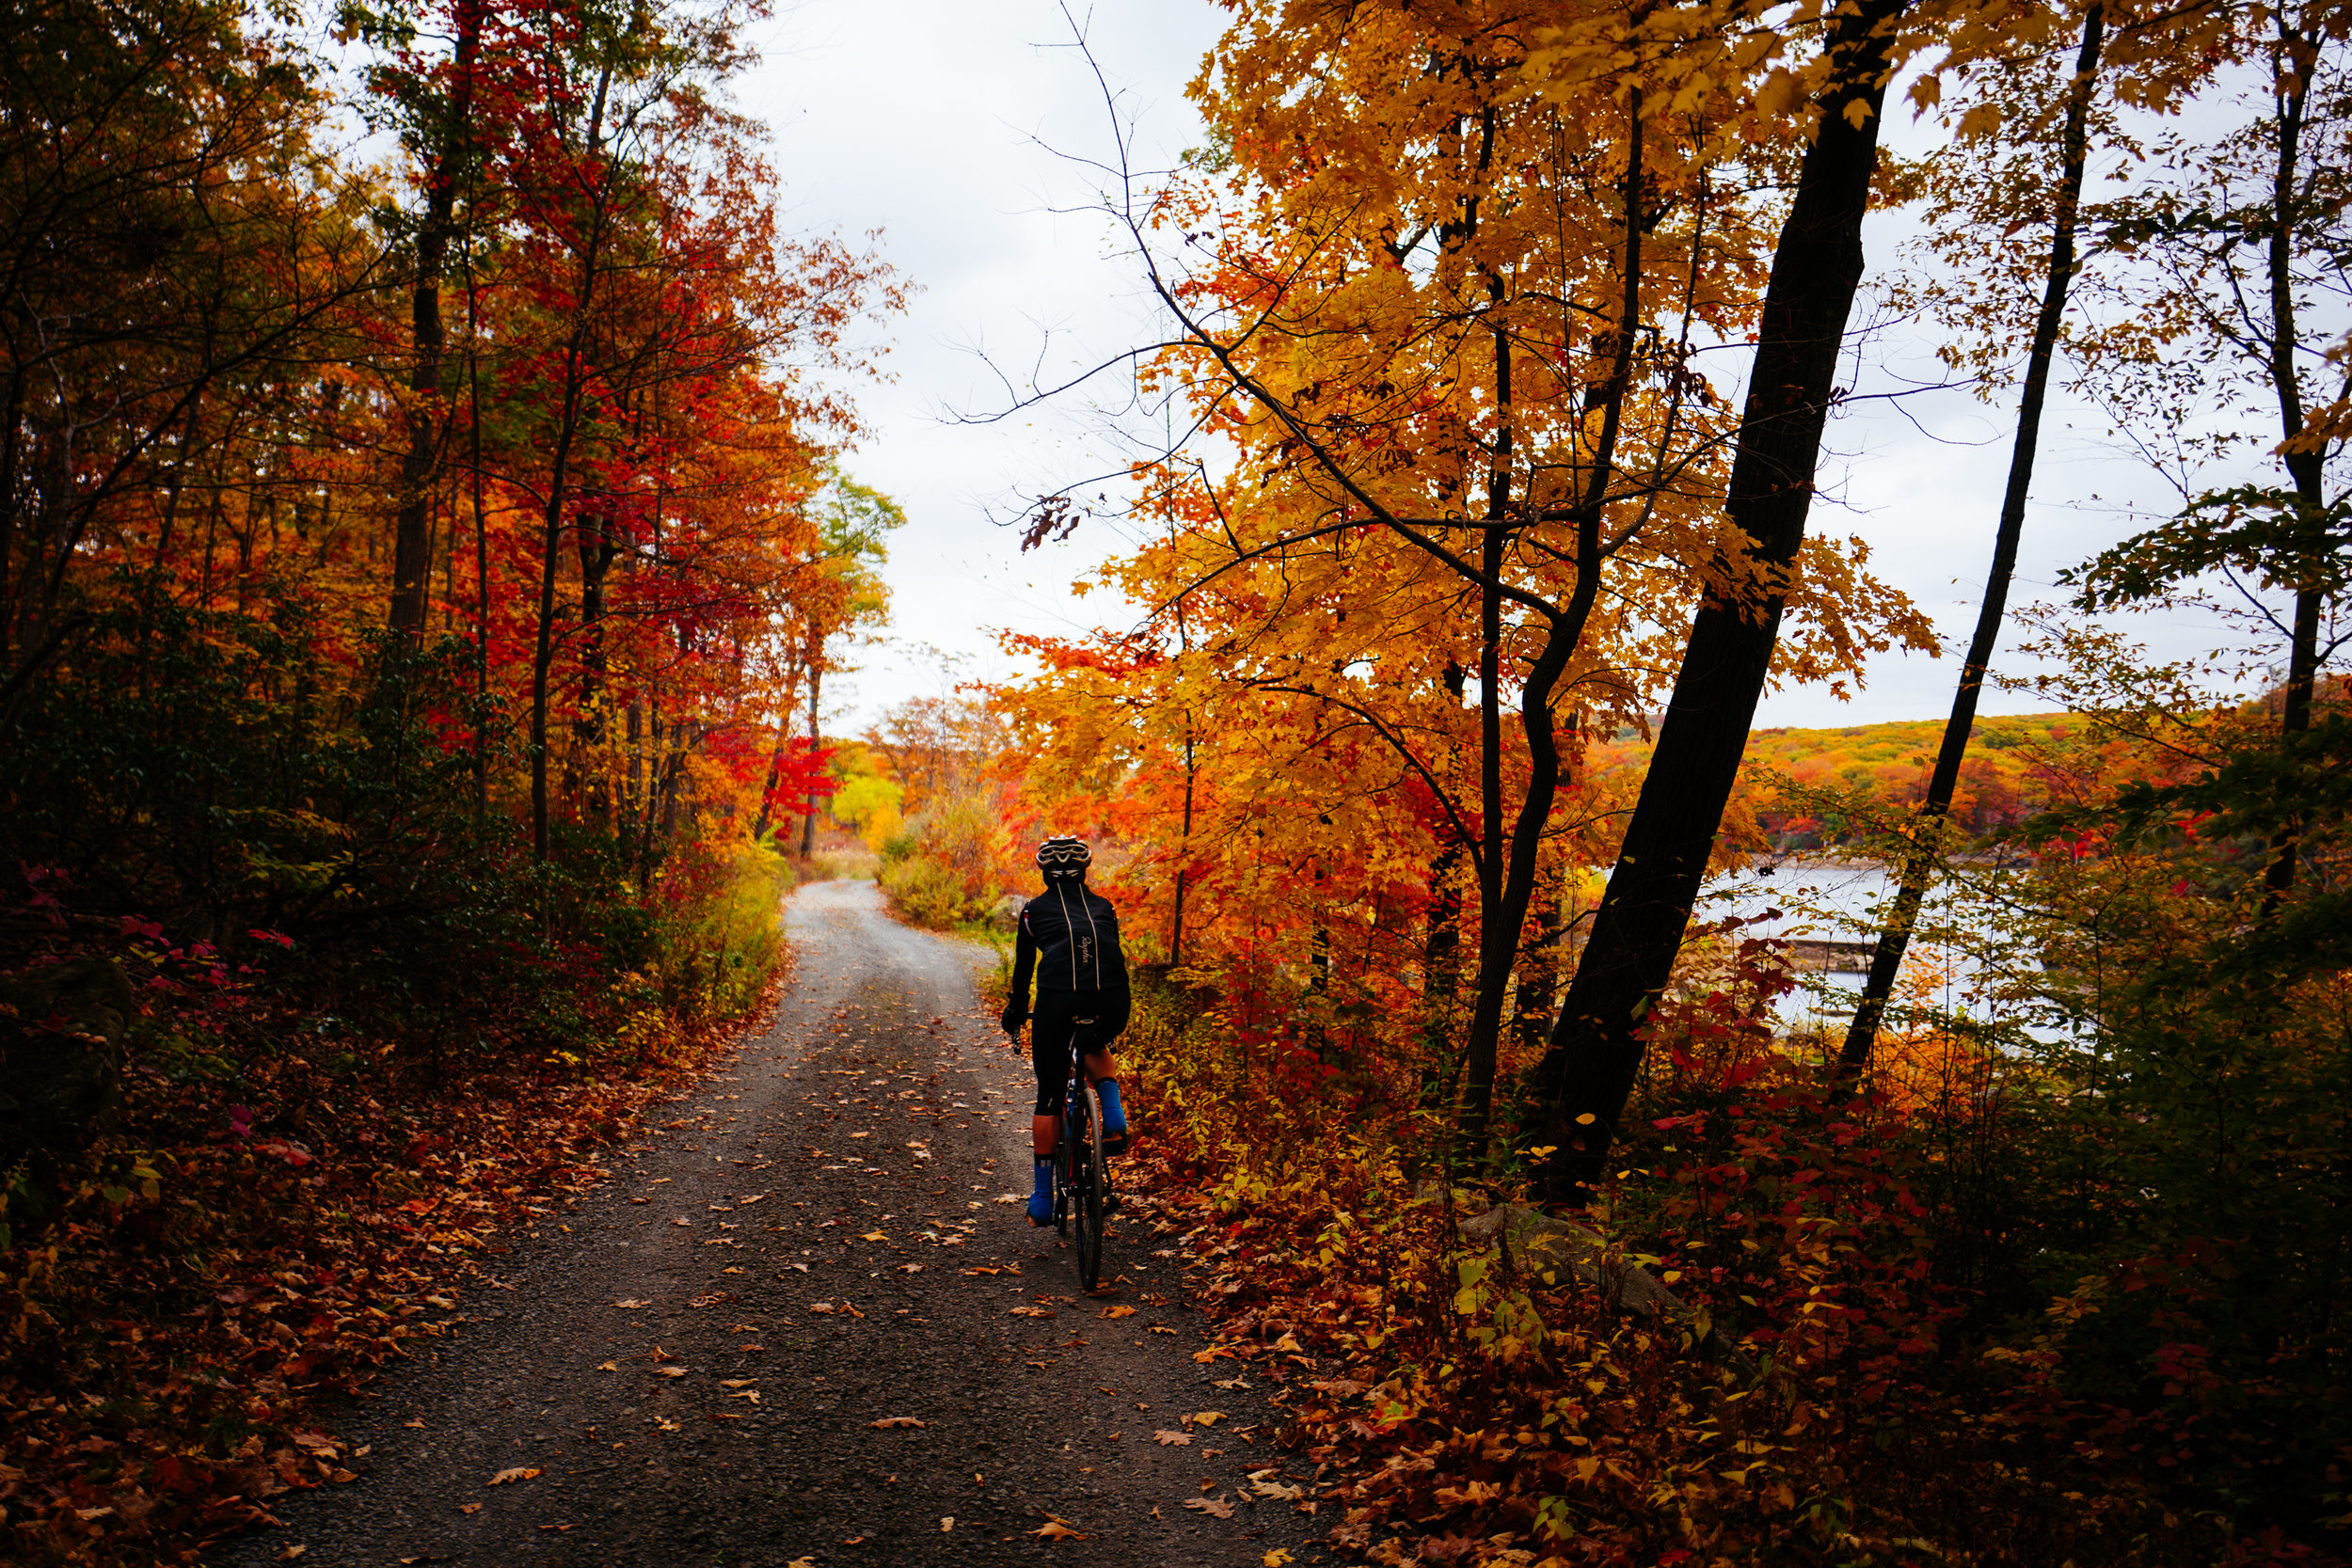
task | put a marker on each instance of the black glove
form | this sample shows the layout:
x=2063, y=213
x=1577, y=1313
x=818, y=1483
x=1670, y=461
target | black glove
x=1012, y=1021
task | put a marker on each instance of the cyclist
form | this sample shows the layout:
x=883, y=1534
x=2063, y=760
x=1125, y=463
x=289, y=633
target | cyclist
x=1069, y=941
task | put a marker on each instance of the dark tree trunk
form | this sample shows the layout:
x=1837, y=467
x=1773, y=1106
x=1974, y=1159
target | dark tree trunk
x=1919, y=866
x=598, y=551
x=1440, y=968
x=412, y=532
x=1587, y=1075
x=1539, y=973
x=808, y=822
x=571, y=417
x=2299, y=56
x=1498, y=936
x=775, y=769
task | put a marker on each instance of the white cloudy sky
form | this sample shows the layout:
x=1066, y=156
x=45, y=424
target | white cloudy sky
x=950, y=124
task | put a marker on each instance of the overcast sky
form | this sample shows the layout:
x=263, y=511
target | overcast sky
x=951, y=127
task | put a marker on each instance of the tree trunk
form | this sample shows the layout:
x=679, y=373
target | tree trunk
x=412, y=532
x=808, y=822
x=1176, y=922
x=569, y=422
x=550, y=561
x=593, y=537
x=1497, y=945
x=1513, y=880
x=2300, y=58
x=775, y=767
x=1861, y=1035
x=1588, y=1074
x=1539, y=973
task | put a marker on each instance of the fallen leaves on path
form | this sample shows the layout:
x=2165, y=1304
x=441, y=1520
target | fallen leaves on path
x=1174, y=1440
x=631, y=1306
x=1217, y=1505
x=508, y=1478
x=889, y=1422
x=1118, y=1311
x=282, y=1253
x=1058, y=1530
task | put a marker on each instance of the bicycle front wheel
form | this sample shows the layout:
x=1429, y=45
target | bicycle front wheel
x=1093, y=1182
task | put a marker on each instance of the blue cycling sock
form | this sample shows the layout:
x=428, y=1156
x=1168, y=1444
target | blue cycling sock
x=1114, y=1119
x=1041, y=1201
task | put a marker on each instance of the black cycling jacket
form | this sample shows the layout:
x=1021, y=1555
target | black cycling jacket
x=1069, y=942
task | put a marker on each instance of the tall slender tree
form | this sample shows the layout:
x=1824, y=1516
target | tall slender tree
x=1587, y=1074
x=2065, y=201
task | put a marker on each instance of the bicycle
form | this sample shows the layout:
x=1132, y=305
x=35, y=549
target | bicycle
x=1080, y=1178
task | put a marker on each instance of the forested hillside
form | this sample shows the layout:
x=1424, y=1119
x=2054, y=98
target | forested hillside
x=1804, y=789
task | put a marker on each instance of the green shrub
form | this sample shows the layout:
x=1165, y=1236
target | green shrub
x=940, y=869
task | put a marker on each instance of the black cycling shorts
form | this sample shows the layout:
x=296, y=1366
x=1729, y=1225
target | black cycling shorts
x=1053, y=1036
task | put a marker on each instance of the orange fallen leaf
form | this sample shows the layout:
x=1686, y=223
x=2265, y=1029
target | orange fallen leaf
x=469, y=1508
x=1118, y=1311
x=1174, y=1440
x=1058, y=1530
x=669, y=1372
x=1218, y=1506
x=896, y=1421
x=506, y=1477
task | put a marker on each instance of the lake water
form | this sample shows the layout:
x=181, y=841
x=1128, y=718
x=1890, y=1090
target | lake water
x=1840, y=904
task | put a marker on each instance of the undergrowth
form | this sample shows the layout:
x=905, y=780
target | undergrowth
x=290, y=1196
x=1465, y=1407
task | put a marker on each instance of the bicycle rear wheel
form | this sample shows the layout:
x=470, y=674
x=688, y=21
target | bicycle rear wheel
x=1065, y=1174
x=1091, y=1183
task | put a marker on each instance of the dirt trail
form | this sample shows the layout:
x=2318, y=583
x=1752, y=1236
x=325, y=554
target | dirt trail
x=658, y=1353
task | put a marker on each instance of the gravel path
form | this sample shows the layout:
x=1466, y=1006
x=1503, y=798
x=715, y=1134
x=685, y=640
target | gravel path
x=697, y=1363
